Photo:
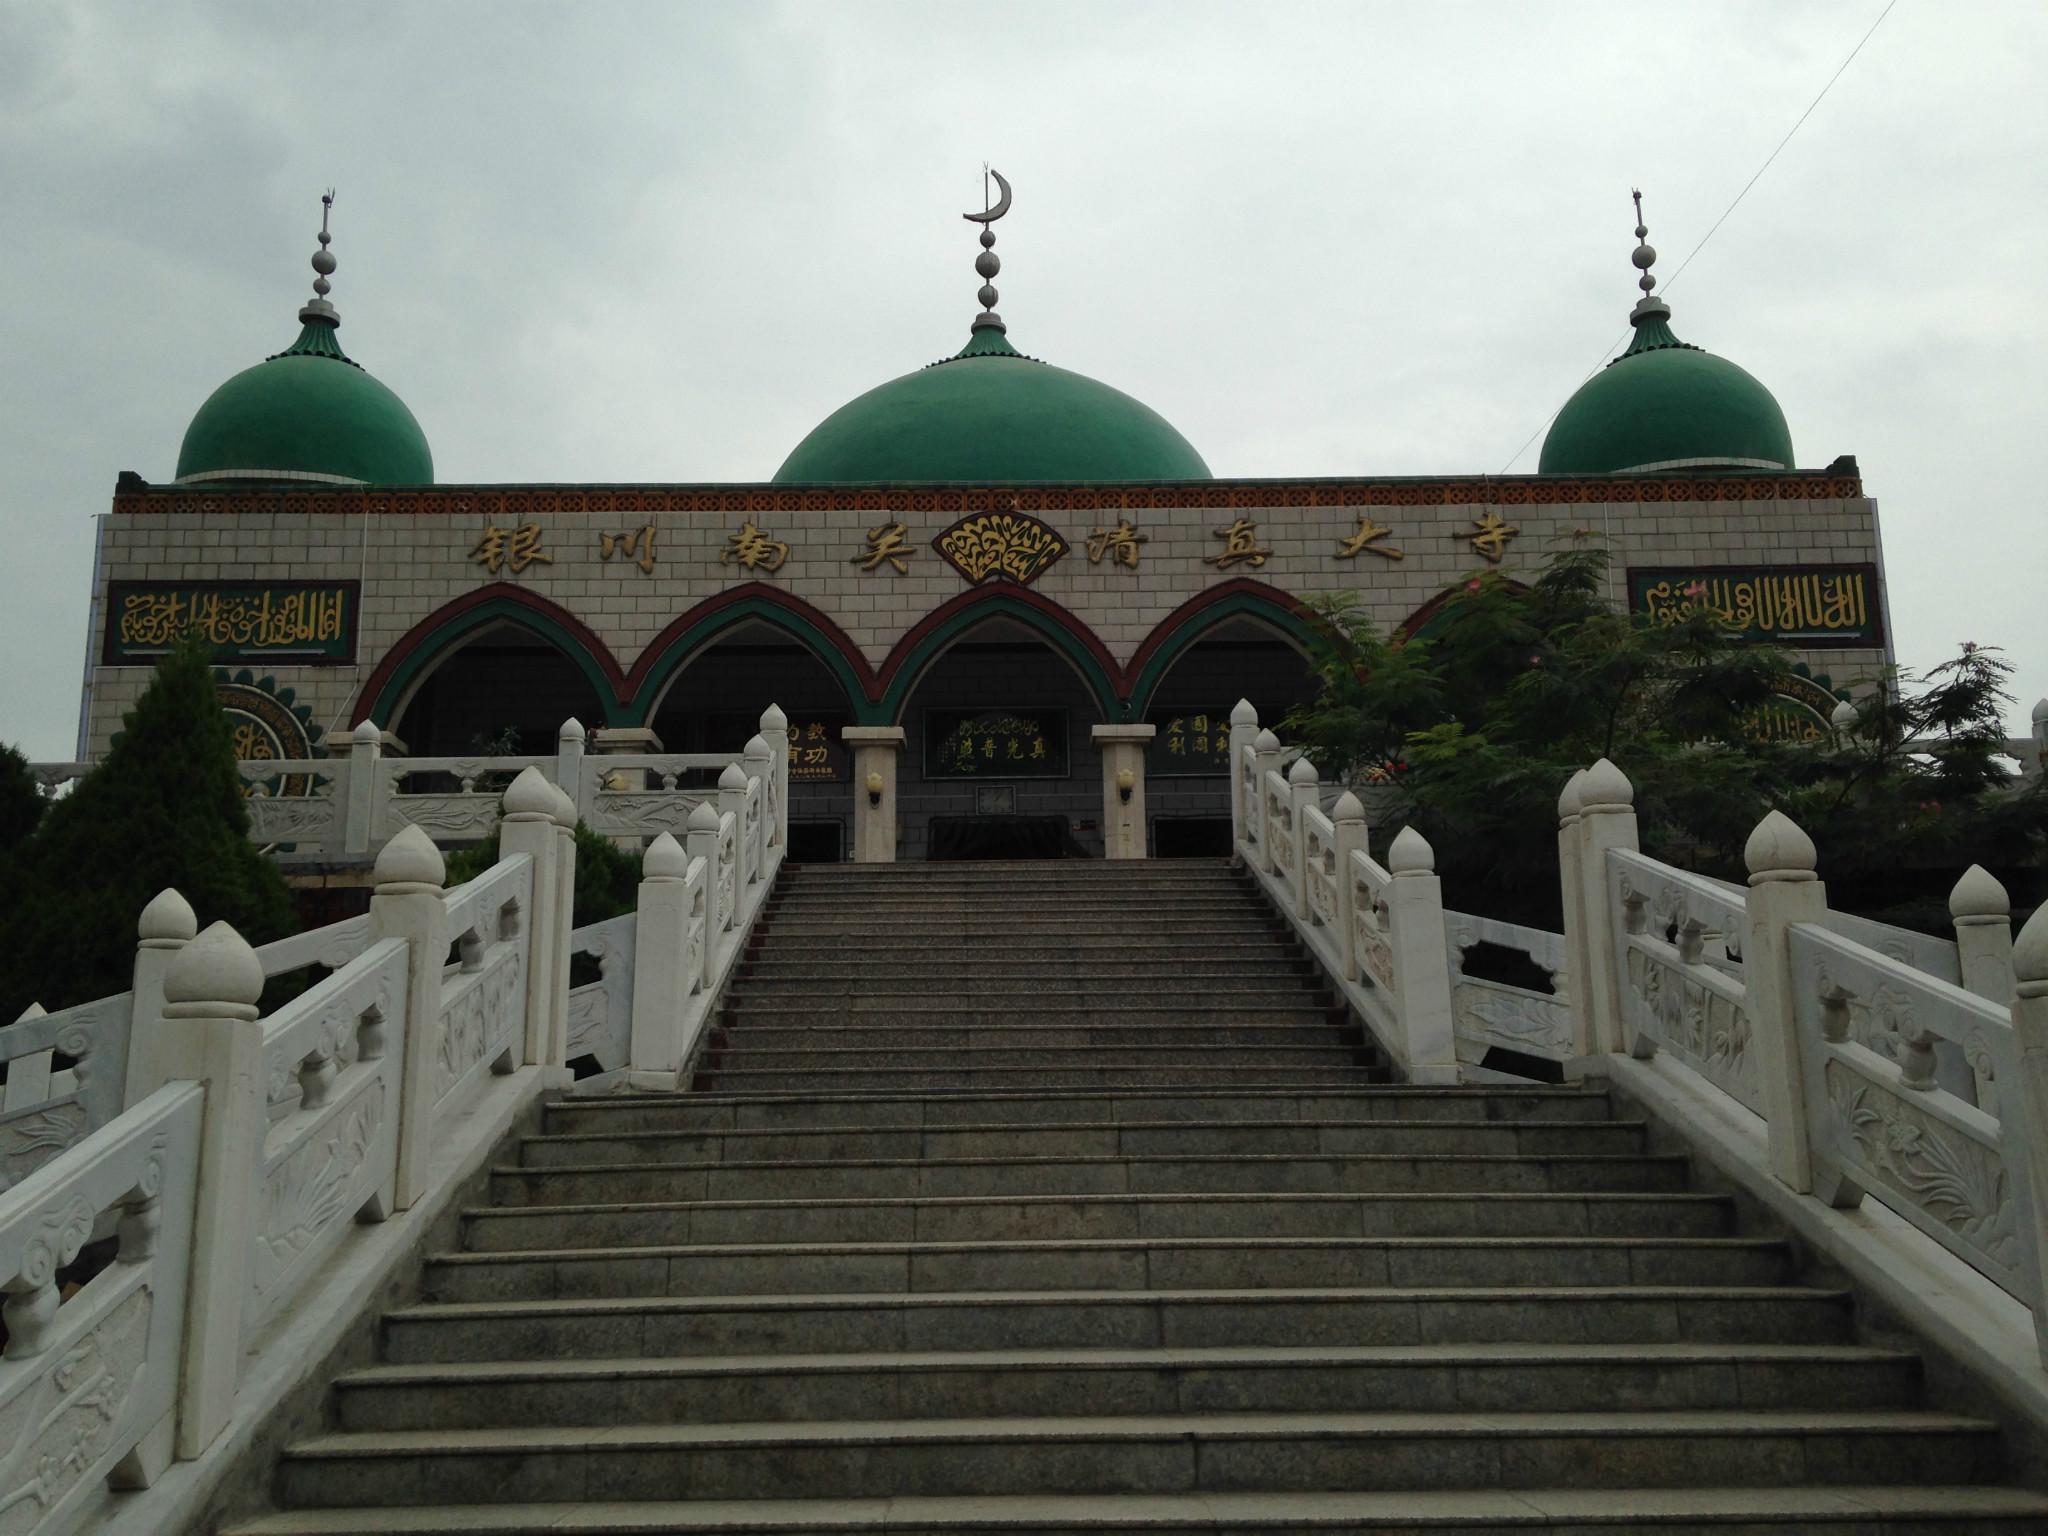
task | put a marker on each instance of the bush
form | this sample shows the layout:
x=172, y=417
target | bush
x=607, y=877
x=164, y=808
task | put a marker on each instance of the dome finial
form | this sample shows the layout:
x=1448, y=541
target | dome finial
x=323, y=263
x=988, y=264
x=1648, y=307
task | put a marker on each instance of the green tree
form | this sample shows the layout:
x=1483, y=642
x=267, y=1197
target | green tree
x=607, y=877
x=164, y=808
x=21, y=801
x=1470, y=730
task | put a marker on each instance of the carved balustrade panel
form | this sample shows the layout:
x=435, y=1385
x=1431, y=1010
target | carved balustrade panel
x=725, y=878
x=315, y=818
x=1495, y=1012
x=491, y=905
x=641, y=812
x=1674, y=997
x=482, y=1024
x=48, y=1106
x=601, y=1012
x=85, y=1378
x=333, y=1056
x=1945, y=1165
x=750, y=834
x=331, y=947
x=1279, y=823
x=1319, y=865
x=1371, y=925
x=1251, y=798
x=697, y=931
x=446, y=818
x=1922, y=951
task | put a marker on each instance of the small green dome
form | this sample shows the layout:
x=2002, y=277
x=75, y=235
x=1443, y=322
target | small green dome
x=306, y=414
x=1665, y=405
x=992, y=414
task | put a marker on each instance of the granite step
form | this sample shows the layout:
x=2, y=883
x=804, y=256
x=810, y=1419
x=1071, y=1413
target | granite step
x=1182, y=1453
x=837, y=1028
x=1085, y=1139
x=979, y=1384
x=590, y=1328
x=493, y=1229
x=1137, y=1264
x=803, y=1080
x=1361, y=1173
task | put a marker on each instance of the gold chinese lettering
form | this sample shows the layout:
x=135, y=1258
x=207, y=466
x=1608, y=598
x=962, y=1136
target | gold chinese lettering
x=1240, y=542
x=517, y=547
x=609, y=544
x=753, y=549
x=1119, y=543
x=1367, y=537
x=885, y=543
x=1492, y=535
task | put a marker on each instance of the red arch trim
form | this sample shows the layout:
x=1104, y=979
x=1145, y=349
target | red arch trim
x=762, y=592
x=498, y=591
x=975, y=597
x=1168, y=627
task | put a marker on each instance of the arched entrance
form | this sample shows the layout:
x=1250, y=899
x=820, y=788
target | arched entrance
x=713, y=703
x=997, y=758
x=504, y=688
x=1187, y=769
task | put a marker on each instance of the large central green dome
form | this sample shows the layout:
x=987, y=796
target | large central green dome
x=991, y=414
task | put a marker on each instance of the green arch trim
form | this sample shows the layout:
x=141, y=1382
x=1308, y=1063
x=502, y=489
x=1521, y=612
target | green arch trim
x=428, y=642
x=669, y=651
x=916, y=651
x=1188, y=623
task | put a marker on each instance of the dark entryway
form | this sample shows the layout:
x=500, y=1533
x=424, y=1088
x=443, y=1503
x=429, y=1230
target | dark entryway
x=817, y=842
x=1001, y=837
x=1191, y=837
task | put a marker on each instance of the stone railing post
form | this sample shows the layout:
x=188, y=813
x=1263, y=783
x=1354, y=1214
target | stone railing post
x=529, y=828
x=406, y=904
x=662, y=982
x=1265, y=760
x=360, y=814
x=2040, y=724
x=564, y=925
x=2030, y=1031
x=210, y=1034
x=875, y=750
x=1422, y=966
x=1982, y=913
x=775, y=727
x=569, y=744
x=703, y=844
x=1347, y=816
x=165, y=927
x=1304, y=789
x=1244, y=730
x=732, y=801
x=761, y=765
x=1783, y=890
x=1123, y=788
x=1607, y=819
x=1572, y=889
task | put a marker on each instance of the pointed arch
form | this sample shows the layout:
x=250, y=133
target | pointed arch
x=810, y=627
x=932, y=634
x=1172, y=635
x=448, y=626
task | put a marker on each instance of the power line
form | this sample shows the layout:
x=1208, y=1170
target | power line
x=1601, y=361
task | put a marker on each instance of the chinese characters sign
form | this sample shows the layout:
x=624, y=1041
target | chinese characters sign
x=995, y=744
x=245, y=620
x=1189, y=743
x=815, y=752
x=1833, y=605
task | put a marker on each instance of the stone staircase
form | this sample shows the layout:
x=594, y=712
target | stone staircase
x=1055, y=1198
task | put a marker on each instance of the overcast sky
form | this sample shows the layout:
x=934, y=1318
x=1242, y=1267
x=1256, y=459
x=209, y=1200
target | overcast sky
x=611, y=242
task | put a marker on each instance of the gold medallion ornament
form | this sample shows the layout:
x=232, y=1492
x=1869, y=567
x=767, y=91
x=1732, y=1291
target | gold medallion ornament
x=1367, y=538
x=1490, y=536
x=1000, y=546
x=1119, y=543
x=1240, y=542
x=753, y=549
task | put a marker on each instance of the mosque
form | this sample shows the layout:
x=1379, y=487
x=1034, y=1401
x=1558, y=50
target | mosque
x=970, y=567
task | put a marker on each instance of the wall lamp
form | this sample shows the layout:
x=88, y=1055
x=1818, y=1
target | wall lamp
x=1126, y=781
x=875, y=788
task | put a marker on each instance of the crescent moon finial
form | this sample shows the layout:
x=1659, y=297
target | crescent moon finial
x=988, y=264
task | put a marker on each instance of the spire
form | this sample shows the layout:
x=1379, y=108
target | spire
x=1651, y=316
x=317, y=317
x=988, y=264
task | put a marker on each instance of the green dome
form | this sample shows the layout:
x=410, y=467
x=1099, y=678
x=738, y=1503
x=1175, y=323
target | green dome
x=991, y=414
x=306, y=414
x=1663, y=404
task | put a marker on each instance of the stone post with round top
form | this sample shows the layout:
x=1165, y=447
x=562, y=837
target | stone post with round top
x=663, y=976
x=2030, y=1034
x=1783, y=890
x=760, y=761
x=210, y=1035
x=1304, y=790
x=1347, y=819
x=407, y=904
x=775, y=728
x=1422, y=966
x=360, y=815
x=166, y=926
x=529, y=828
x=1265, y=760
x=1572, y=890
x=563, y=924
x=1607, y=819
x=1244, y=730
x=703, y=844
